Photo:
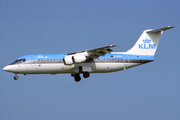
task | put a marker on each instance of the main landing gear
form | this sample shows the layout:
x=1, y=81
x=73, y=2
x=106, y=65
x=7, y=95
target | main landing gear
x=77, y=77
x=86, y=74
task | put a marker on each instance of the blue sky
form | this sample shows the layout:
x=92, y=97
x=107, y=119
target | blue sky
x=146, y=92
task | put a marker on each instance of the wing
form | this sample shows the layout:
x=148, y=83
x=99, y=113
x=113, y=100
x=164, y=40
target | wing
x=82, y=56
x=95, y=53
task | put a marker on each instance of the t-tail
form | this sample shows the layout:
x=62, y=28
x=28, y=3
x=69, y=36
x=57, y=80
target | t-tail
x=148, y=42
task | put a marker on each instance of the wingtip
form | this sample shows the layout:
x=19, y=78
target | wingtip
x=113, y=45
x=171, y=26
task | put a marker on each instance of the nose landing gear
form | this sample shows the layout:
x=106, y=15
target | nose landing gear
x=15, y=77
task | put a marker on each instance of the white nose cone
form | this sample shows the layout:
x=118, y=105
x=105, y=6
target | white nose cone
x=6, y=68
x=11, y=68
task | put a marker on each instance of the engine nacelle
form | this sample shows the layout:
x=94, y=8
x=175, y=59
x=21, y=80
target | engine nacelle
x=68, y=60
x=78, y=59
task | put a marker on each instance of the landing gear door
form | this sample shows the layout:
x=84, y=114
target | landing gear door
x=86, y=69
x=32, y=60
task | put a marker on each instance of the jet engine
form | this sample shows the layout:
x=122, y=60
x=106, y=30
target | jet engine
x=69, y=60
x=78, y=59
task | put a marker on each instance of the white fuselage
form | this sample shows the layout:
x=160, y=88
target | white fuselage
x=58, y=68
x=108, y=63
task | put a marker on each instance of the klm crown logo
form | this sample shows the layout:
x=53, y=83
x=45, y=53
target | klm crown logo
x=147, y=44
x=146, y=40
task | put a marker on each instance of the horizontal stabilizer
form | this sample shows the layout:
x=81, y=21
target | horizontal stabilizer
x=159, y=30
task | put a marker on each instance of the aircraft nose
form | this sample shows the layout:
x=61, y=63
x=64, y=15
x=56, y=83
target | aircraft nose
x=7, y=68
x=11, y=68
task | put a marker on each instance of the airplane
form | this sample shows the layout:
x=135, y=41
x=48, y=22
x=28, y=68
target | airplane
x=99, y=60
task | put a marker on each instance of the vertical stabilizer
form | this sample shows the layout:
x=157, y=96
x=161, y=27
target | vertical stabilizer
x=148, y=42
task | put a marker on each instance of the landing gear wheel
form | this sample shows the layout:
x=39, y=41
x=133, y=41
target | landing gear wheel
x=15, y=77
x=77, y=78
x=86, y=74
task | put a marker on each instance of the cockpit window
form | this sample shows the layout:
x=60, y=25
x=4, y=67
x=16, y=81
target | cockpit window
x=19, y=61
x=16, y=61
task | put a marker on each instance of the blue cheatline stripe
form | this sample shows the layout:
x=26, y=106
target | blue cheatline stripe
x=128, y=56
x=43, y=56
